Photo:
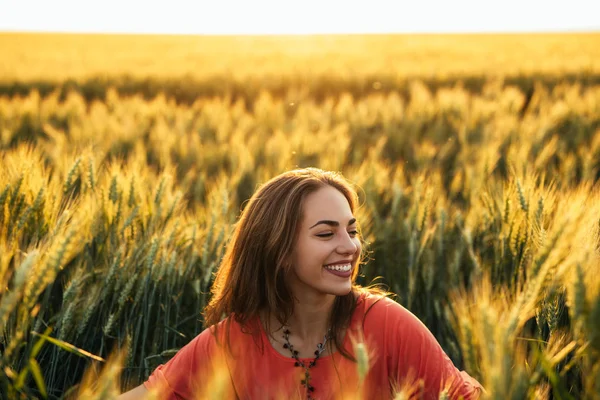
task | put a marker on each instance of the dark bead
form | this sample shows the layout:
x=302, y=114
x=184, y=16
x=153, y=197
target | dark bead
x=295, y=352
x=286, y=331
x=303, y=381
x=311, y=388
x=312, y=364
x=285, y=346
x=316, y=352
x=296, y=364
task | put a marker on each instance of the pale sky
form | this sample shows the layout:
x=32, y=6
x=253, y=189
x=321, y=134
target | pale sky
x=300, y=16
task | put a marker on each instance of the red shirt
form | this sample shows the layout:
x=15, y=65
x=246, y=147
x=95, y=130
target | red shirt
x=403, y=351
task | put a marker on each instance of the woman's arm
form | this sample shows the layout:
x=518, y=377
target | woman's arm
x=183, y=376
x=138, y=393
x=417, y=357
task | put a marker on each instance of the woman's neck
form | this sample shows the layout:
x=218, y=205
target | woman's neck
x=311, y=317
x=309, y=321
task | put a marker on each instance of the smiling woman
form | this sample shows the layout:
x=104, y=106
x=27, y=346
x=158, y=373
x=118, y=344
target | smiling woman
x=287, y=320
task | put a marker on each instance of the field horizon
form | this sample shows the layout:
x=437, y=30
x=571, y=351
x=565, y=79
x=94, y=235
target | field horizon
x=85, y=56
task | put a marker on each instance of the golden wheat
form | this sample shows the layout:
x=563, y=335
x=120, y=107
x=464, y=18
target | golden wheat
x=480, y=216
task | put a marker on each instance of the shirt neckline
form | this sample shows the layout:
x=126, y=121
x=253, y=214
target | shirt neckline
x=345, y=344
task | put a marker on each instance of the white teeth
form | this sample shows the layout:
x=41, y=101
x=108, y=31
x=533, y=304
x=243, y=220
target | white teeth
x=343, y=267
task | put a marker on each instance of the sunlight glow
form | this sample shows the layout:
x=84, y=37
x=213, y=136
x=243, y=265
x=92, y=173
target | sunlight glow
x=302, y=17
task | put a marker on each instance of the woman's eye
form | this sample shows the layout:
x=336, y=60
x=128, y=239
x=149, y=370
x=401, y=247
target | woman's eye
x=325, y=235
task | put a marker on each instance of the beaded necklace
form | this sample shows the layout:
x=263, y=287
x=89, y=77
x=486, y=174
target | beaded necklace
x=299, y=363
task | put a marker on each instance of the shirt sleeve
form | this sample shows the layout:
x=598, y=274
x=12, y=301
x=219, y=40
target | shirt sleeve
x=189, y=372
x=417, y=360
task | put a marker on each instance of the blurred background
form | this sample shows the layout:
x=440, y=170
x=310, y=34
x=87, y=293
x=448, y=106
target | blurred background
x=131, y=134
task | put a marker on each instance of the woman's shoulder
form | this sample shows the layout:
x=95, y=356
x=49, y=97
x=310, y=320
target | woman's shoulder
x=232, y=326
x=377, y=308
x=233, y=333
x=374, y=299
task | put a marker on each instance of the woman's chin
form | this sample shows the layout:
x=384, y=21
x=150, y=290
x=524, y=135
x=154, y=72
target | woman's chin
x=340, y=290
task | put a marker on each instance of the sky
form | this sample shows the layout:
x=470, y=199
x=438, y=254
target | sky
x=299, y=17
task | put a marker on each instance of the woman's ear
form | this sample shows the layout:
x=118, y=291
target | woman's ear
x=285, y=270
x=288, y=263
x=282, y=273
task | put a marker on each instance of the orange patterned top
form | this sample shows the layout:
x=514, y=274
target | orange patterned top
x=403, y=352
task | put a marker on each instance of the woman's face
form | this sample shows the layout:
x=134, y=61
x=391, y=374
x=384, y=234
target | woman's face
x=327, y=248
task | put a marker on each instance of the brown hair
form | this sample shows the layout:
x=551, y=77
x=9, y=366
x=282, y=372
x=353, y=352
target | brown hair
x=251, y=277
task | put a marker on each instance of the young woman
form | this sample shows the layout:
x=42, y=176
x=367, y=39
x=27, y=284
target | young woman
x=287, y=321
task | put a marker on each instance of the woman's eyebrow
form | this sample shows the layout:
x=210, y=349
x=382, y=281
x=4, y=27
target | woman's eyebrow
x=332, y=223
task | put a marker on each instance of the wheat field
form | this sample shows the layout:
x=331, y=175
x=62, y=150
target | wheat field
x=480, y=203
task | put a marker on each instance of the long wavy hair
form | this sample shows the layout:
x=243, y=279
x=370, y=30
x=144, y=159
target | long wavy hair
x=251, y=276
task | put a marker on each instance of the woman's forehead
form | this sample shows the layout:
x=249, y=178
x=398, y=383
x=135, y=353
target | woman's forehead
x=326, y=203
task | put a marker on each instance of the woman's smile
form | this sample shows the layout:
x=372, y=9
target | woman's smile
x=341, y=268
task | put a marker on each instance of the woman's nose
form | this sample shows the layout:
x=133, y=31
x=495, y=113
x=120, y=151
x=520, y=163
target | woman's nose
x=347, y=245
